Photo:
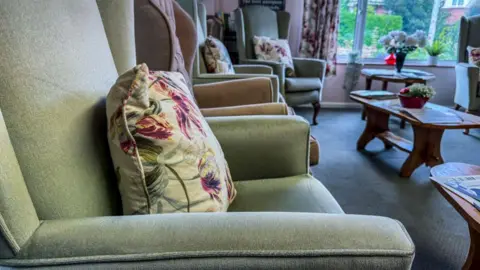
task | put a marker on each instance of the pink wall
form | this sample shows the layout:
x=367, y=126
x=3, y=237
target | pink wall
x=444, y=84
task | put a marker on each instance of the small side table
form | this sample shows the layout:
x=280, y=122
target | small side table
x=464, y=208
x=408, y=77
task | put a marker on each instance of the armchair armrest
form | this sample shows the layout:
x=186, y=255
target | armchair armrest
x=234, y=93
x=251, y=240
x=466, y=84
x=211, y=78
x=278, y=69
x=258, y=147
x=253, y=69
x=253, y=109
x=306, y=67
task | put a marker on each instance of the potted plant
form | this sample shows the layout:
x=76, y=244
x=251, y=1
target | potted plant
x=400, y=44
x=415, y=96
x=434, y=51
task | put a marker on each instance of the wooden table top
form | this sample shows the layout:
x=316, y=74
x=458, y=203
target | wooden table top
x=389, y=75
x=393, y=107
x=464, y=208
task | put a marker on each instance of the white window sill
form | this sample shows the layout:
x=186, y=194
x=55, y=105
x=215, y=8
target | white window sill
x=411, y=63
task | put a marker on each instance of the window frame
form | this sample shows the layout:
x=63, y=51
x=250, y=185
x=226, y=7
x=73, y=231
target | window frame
x=358, y=38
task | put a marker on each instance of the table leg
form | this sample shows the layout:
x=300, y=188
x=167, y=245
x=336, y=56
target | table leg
x=368, y=86
x=384, y=85
x=377, y=122
x=473, y=259
x=368, y=83
x=426, y=149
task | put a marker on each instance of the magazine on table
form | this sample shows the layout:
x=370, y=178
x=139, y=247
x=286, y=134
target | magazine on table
x=428, y=115
x=374, y=94
x=467, y=187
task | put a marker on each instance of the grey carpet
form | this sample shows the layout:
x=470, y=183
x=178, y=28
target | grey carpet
x=368, y=183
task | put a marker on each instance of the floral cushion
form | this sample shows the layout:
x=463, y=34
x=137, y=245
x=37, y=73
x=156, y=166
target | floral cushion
x=165, y=155
x=216, y=57
x=474, y=57
x=274, y=50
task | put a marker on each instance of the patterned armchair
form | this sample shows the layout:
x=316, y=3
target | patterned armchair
x=467, y=87
x=307, y=86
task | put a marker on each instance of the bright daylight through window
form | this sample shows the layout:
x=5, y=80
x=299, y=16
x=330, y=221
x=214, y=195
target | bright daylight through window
x=438, y=18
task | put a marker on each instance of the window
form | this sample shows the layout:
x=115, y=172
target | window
x=363, y=22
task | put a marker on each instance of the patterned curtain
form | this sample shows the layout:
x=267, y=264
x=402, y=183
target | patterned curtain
x=320, y=31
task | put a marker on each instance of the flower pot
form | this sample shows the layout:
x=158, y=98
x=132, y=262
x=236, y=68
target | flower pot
x=400, y=60
x=432, y=60
x=412, y=102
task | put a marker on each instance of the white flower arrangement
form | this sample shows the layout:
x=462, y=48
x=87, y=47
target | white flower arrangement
x=400, y=42
x=418, y=90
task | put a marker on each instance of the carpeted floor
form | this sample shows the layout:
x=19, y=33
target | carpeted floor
x=368, y=183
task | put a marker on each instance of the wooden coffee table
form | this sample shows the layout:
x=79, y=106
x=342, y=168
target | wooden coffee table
x=464, y=208
x=407, y=77
x=425, y=147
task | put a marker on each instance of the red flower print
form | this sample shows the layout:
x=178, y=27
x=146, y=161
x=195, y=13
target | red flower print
x=128, y=146
x=187, y=112
x=281, y=50
x=154, y=126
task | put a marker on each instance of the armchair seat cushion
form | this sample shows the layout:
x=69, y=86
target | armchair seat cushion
x=301, y=193
x=302, y=84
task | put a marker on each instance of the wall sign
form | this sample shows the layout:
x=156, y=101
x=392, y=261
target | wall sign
x=273, y=4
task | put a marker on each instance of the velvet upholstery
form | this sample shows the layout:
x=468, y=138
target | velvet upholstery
x=58, y=196
x=467, y=85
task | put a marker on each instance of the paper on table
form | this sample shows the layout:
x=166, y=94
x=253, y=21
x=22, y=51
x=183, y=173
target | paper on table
x=433, y=116
x=467, y=187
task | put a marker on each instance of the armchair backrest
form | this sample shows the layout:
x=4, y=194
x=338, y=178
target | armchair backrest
x=469, y=36
x=198, y=14
x=55, y=72
x=256, y=20
x=165, y=36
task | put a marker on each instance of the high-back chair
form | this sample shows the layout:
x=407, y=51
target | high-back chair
x=198, y=13
x=467, y=93
x=307, y=86
x=59, y=203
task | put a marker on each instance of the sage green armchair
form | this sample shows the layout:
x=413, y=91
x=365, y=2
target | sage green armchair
x=307, y=86
x=59, y=203
x=467, y=93
x=198, y=14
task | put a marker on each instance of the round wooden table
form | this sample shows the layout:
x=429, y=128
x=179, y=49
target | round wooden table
x=407, y=77
x=464, y=208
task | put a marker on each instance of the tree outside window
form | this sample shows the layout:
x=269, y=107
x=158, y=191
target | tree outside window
x=438, y=18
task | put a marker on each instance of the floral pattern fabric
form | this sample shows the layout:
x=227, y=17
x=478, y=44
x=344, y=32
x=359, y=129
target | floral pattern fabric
x=216, y=57
x=320, y=32
x=274, y=50
x=474, y=57
x=166, y=157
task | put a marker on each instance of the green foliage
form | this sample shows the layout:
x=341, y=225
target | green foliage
x=376, y=26
x=416, y=14
x=435, y=49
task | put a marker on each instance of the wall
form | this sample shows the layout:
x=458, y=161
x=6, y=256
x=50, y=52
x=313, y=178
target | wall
x=294, y=7
x=333, y=93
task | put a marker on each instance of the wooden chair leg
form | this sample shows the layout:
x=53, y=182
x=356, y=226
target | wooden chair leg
x=316, y=110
